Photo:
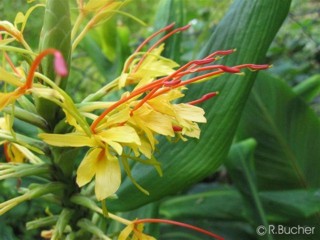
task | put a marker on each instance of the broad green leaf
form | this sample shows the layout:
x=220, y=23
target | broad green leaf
x=309, y=88
x=287, y=132
x=224, y=203
x=188, y=162
x=225, y=207
x=283, y=206
x=240, y=167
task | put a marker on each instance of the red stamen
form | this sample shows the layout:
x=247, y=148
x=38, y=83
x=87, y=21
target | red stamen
x=184, y=225
x=200, y=69
x=155, y=86
x=221, y=52
x=153, y=36
x=145, y=42
x=159, y=42
x=254, y=67
x=204, y=98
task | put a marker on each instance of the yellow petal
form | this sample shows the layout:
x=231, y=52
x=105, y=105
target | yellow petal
x=191, y=129
x=123, y=134
x=7, y=98
x=9, y=78
x=26, y=153
x=157, y=122
x=108, y=177
x=87, y=168
x=124, y=234
x=119, y=117
x=190, y=112
x=116, y=146
x=123, y=80
x=15, y=154
x=68, y=140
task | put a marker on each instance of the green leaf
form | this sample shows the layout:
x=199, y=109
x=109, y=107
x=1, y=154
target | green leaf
x=283, y=206
x=287, y=132
x=220, y=203
x=309, y=88
x=186, y=163
x=240, y=167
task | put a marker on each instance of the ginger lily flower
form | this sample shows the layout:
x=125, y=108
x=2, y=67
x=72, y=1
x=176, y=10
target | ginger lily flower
x=133, y=122
x=100, y=160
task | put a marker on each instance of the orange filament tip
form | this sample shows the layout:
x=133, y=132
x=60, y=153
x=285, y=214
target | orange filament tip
x=204, y=98
x=254, y=67
x=259, y=67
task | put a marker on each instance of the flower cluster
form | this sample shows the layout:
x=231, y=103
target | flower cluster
x=112, y=133
x=129, y=125
x=127, y=128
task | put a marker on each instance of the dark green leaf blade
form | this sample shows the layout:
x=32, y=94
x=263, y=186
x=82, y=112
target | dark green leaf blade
x=287, y=132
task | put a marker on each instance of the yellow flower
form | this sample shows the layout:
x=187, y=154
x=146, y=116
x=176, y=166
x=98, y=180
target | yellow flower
x=100, y=161
x=152, y=66
x=136, y=231
x=15, y=152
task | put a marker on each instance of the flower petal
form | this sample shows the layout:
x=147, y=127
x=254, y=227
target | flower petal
x=108, y=177
x=190, y=112
x=88, y=166
x=68, y=140
x=124, y=134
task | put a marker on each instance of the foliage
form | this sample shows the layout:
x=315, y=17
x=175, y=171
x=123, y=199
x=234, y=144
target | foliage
x=255, y=164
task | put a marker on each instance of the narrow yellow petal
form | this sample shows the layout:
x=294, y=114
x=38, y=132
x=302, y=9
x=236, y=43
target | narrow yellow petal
x=15, y=154
x=68, y=140
x=7, y=98
x=108, y=177
x=190, y=112
x=123, y=134
x=116, y=146
x=9, y=78
x=124, y=234
x=27, y=154
x=87, y=168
